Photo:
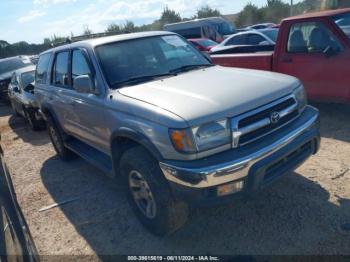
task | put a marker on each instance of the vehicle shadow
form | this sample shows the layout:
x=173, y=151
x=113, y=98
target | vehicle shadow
x=334, y=120
x=293, y=216
x=5, y=110
x=22, y=129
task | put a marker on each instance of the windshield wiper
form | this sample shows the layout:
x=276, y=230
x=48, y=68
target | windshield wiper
x=139, y=79
x=186, y=68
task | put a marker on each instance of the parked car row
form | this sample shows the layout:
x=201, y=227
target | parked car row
x=7, y=67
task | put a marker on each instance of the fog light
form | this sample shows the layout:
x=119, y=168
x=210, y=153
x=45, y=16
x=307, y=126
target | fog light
x=230, y=188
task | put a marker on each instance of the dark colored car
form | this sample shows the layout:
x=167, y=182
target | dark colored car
x=203, y=44
x=16, y=243
x=21, y=95
x=7, y=67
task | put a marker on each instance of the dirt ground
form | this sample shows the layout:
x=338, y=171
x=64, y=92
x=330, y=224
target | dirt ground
x=305, y=212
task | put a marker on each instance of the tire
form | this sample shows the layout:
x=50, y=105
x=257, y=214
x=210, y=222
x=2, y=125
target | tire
x=166, y=213
x=34, y=124
x=57, y=140
x=14, y=110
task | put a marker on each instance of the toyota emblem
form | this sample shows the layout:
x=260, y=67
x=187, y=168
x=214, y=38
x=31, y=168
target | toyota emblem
x=275, y=117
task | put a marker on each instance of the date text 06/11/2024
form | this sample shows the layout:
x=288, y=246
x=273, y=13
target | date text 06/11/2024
x=173, y=258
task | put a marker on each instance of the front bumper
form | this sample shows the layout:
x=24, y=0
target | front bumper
x=256, y=165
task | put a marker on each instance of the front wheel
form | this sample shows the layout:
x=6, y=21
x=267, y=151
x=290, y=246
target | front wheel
x=14, y=110
x=149, y=193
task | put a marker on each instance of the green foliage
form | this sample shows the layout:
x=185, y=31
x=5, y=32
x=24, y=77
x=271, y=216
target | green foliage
x=207, y=11
x=169, y=16
x=275, y=10
x=129, y=27
x=250, y=14
x=114, y=28
x=334, y=4
x=87, y=30
x=21, y=48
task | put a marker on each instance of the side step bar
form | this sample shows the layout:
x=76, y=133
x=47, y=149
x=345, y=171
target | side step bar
x=92, y=155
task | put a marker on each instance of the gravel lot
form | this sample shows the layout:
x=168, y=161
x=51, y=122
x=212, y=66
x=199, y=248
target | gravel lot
x=303, y=213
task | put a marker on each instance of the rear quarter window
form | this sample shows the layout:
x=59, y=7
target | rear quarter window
x=42, y=68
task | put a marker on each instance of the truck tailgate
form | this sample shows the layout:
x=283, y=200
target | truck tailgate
x=260, y=61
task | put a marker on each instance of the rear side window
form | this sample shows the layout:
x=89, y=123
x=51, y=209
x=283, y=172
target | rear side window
x=237, y=40
x=60, y=72
x=41, y=69
x=254, y=39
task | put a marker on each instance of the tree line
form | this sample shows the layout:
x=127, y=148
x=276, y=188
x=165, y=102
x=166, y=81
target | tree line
x=273, y=11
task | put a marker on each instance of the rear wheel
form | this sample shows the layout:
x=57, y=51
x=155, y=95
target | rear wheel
x=57, y=140
x=149, y=193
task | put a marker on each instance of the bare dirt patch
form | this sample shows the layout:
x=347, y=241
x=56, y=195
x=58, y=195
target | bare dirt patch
x=302, y=213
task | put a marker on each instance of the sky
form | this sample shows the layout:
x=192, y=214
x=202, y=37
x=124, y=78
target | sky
x=33, y=20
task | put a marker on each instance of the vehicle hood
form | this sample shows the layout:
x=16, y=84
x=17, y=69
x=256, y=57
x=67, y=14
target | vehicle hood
x=217, y=92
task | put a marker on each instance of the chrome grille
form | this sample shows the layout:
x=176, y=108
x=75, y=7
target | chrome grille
x=257, y=123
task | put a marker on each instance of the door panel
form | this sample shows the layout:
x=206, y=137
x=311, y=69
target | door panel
x=324, y=77
x=85, y=118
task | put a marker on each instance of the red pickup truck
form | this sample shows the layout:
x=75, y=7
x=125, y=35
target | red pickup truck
x=313, y=47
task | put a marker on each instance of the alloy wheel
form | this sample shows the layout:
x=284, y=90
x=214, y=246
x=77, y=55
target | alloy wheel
x=142, y=194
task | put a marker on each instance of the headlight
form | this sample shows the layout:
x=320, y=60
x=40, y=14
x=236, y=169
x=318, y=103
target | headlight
x=211, y=135
x=202, y=137
x=301, y=97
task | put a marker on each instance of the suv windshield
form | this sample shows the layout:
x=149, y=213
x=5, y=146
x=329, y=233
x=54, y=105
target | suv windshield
x=11, y=65
x=148, y=58
x=343, y=21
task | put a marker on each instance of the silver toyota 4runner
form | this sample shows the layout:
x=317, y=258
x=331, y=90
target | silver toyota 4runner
x=176, y=129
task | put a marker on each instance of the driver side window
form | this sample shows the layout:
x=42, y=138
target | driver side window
x=311, y=37
x=79, y=65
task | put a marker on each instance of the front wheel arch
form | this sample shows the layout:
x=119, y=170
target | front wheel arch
x=126, y=138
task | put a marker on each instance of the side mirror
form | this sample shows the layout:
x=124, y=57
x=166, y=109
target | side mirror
x=84, y=84
x=29, y=88
x=330, y=51
x=264, y=43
